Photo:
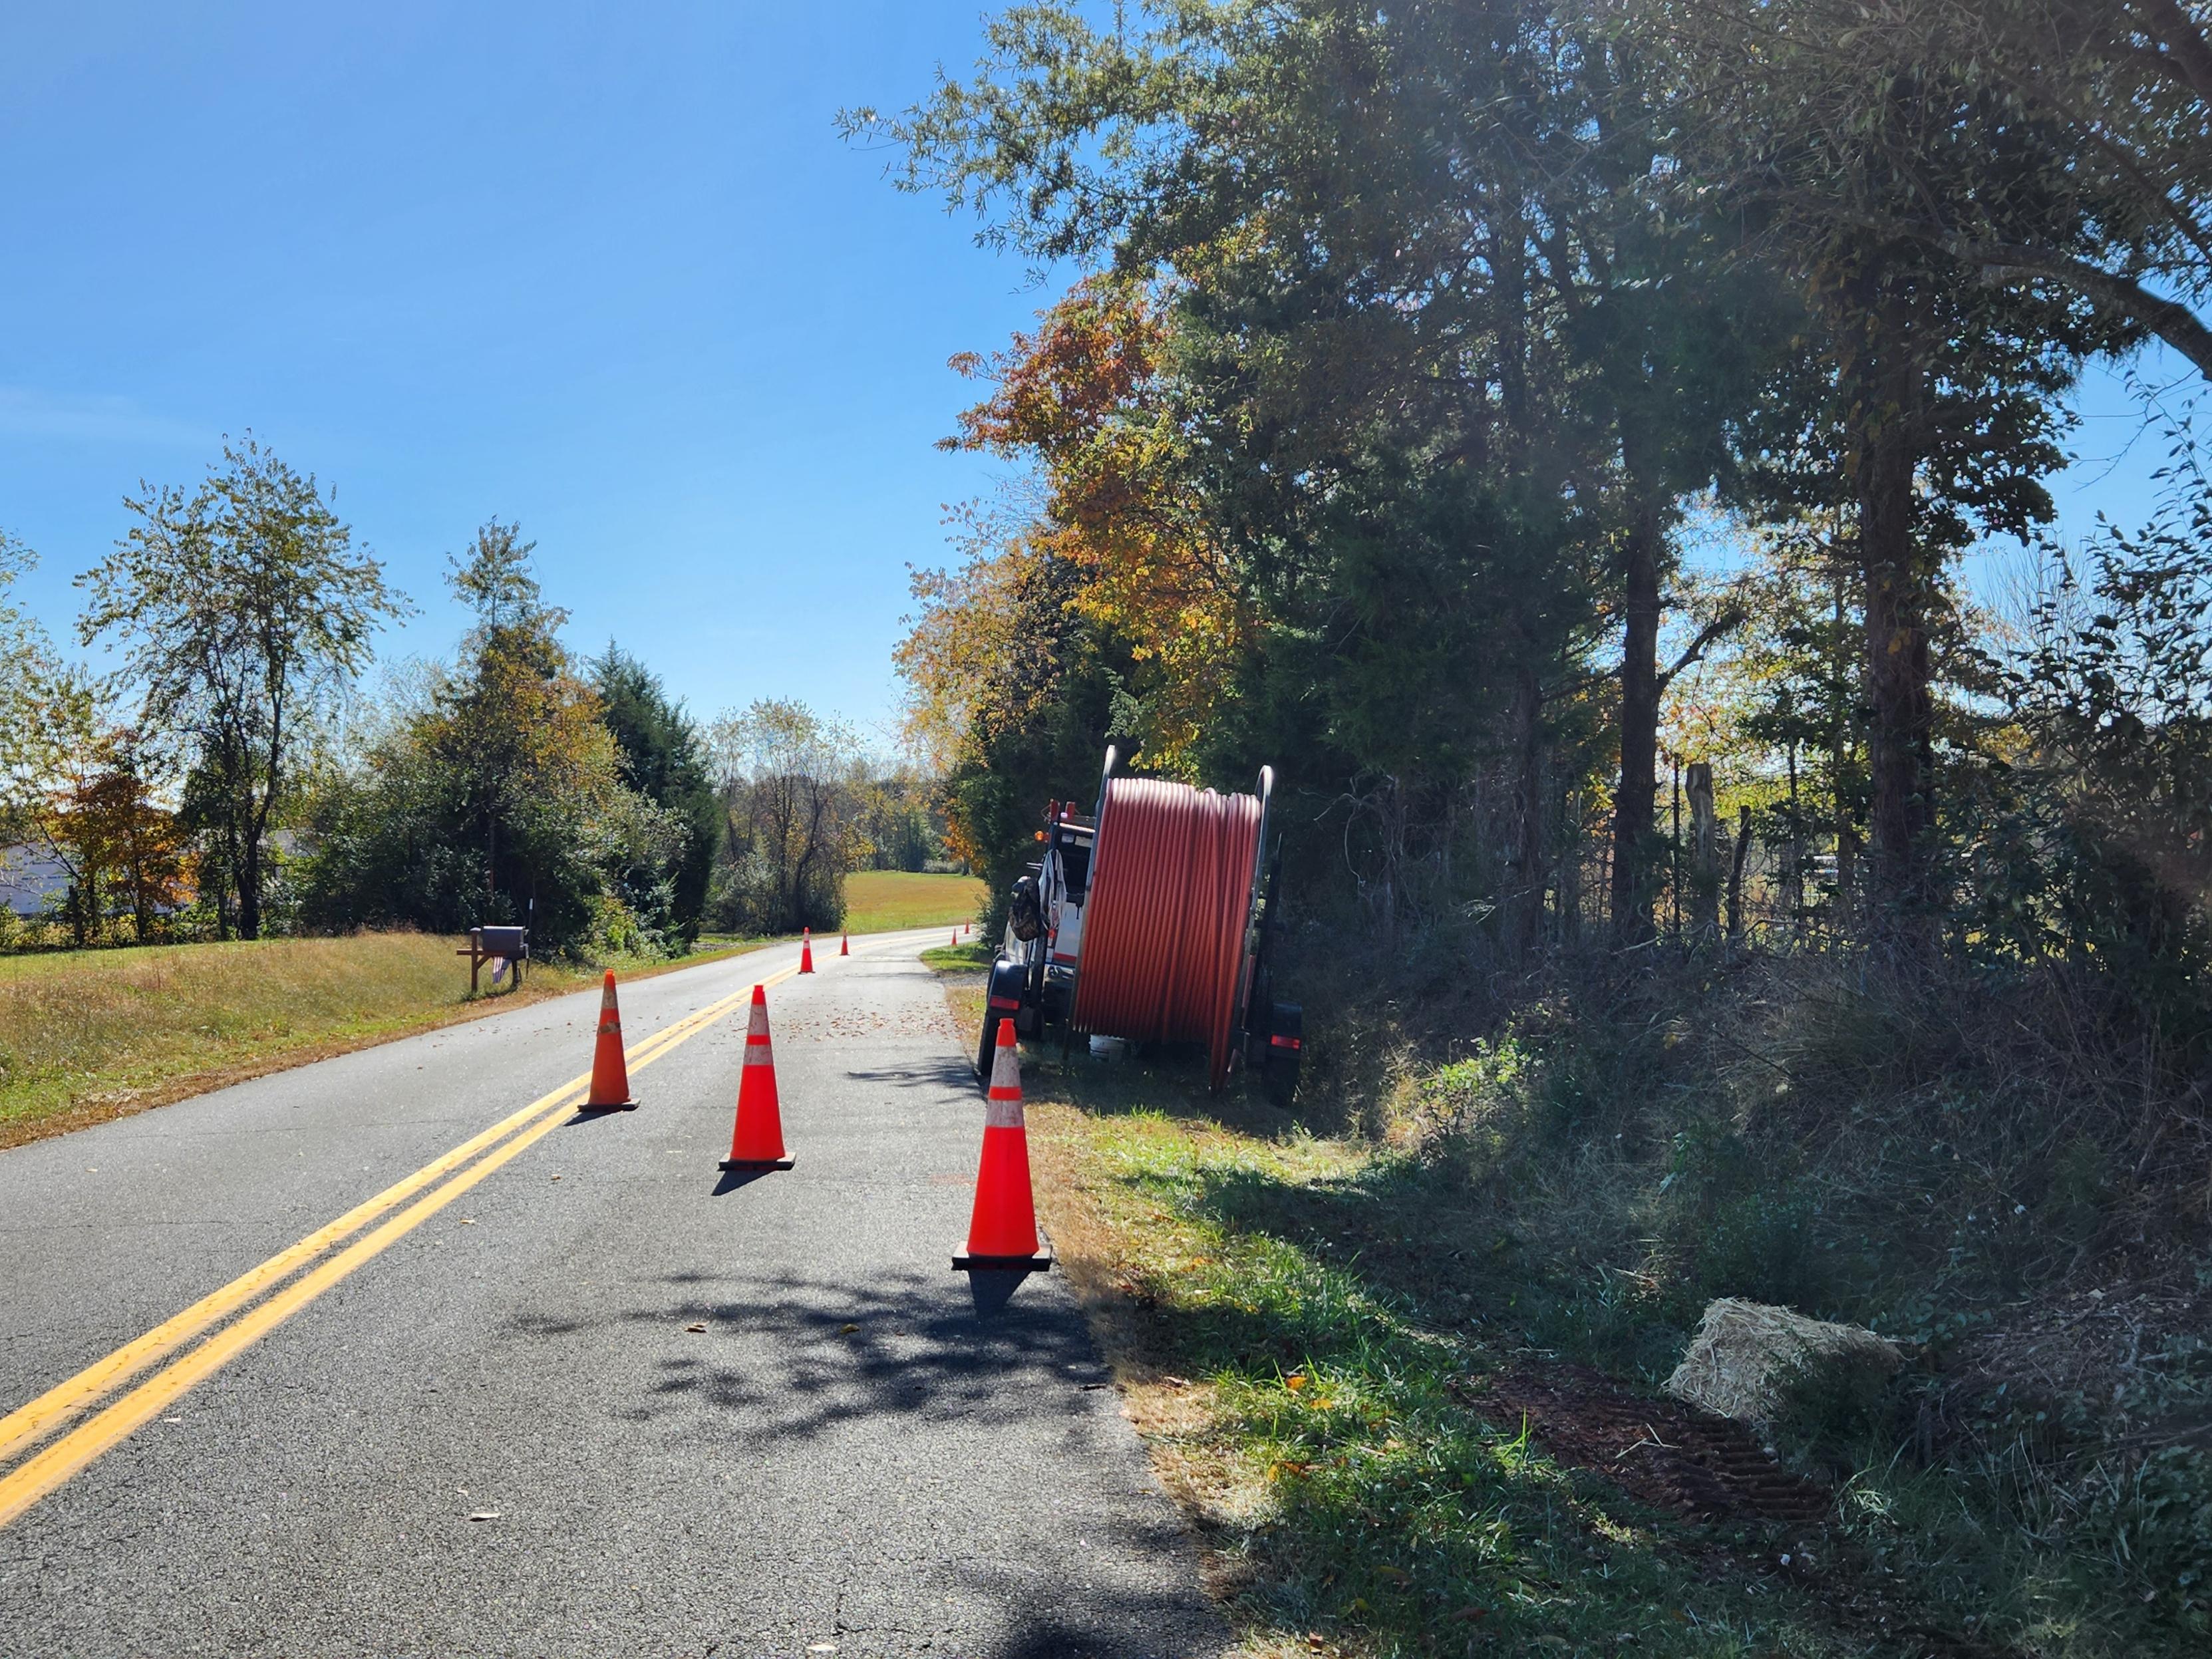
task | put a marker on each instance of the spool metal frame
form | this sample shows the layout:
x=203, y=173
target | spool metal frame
x=1034, y=979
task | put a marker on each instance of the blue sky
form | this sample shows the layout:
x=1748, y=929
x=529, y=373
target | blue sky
x=605, y=270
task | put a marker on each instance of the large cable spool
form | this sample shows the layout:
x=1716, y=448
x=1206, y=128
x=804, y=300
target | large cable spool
x=1167, y=922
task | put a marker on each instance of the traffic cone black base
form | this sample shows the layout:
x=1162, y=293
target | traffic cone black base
x=962, y=1261
x=746, y=1164
x=629, y=1105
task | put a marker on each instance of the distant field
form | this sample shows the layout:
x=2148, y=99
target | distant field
x=880, y=900
x=90, y=1035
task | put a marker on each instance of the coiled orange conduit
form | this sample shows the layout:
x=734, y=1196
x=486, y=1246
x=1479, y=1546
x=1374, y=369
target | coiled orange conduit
x=1163, y=926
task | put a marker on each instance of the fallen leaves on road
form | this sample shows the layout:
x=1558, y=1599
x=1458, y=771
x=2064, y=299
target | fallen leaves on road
x=846, y=1330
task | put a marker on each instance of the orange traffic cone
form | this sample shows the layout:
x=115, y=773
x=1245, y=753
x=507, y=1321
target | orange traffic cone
x=844, y=946
x=806, y=950
x=610, y=1074
x=956, y=941
x=757, y=1141
x=966, y=928
x=1002, y=1233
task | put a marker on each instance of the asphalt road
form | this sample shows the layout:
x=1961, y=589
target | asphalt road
x=497, y=1436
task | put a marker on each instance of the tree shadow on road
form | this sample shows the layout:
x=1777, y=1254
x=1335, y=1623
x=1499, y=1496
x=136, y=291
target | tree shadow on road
x=824, y=1352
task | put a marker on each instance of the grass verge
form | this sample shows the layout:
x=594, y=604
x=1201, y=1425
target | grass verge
x=1314, y=1395
x=91, y=1035
x=972, y=958
x=1331, y=1354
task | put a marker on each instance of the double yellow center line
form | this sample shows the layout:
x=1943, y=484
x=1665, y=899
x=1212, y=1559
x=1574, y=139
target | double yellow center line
x=431, y=1188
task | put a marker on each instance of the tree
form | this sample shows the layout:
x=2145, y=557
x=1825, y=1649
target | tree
x=246, y=614
x=1926, y=401
x=2116, y=95
x=1799, y=660
x=1409, y=266
x=663, y=758
x=496, y=794
x=2100, y=849
x=1086, y=396
x=60, y=748
x=26, y=667
x=118, y=842
x=1013, y=696
x=896, y=820
x=789, y=785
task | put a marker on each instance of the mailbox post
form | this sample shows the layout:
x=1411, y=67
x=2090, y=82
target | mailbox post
x=508, y=944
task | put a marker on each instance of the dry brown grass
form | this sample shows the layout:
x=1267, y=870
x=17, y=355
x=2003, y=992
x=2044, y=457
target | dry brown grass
x=93, y=1035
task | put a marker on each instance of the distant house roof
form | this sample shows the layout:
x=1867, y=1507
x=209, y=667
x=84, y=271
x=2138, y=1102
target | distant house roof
x=29, y=876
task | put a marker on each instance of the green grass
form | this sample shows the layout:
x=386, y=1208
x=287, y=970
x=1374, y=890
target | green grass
x=90, y=1035
x=973, y=957
x=884, y=900
x=1307, y=1327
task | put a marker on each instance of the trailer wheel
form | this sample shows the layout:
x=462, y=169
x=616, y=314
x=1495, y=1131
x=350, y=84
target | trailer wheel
x=1002, y=999
x=1278, y=1072
x=984, y=1046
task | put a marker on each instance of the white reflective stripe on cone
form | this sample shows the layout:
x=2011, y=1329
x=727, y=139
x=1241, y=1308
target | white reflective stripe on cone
x=1003, y=1110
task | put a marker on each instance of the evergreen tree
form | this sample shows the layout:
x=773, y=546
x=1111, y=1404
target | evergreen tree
x=663, y=758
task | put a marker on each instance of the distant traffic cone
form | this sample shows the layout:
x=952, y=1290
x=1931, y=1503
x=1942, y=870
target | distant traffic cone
x=757, y=1143
x=806, y=950
x=956, y=941
x=610, y=1074
x=966, y=928
x=844, y=946
x=1002, y=1233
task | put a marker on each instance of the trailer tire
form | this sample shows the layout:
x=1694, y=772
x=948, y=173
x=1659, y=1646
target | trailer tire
x=983, y=1048
x=1009, y=979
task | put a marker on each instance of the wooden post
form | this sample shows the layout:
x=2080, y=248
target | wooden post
x=1674, y=867
x=475, y=954
x=1735, y=875
x=1704, y=851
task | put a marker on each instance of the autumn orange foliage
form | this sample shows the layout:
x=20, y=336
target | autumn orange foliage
x=1082, y=396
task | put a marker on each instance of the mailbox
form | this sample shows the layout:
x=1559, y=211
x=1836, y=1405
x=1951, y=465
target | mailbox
x=508, y=944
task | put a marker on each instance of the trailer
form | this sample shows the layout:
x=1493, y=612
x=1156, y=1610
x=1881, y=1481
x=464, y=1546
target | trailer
x=1151, y=919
